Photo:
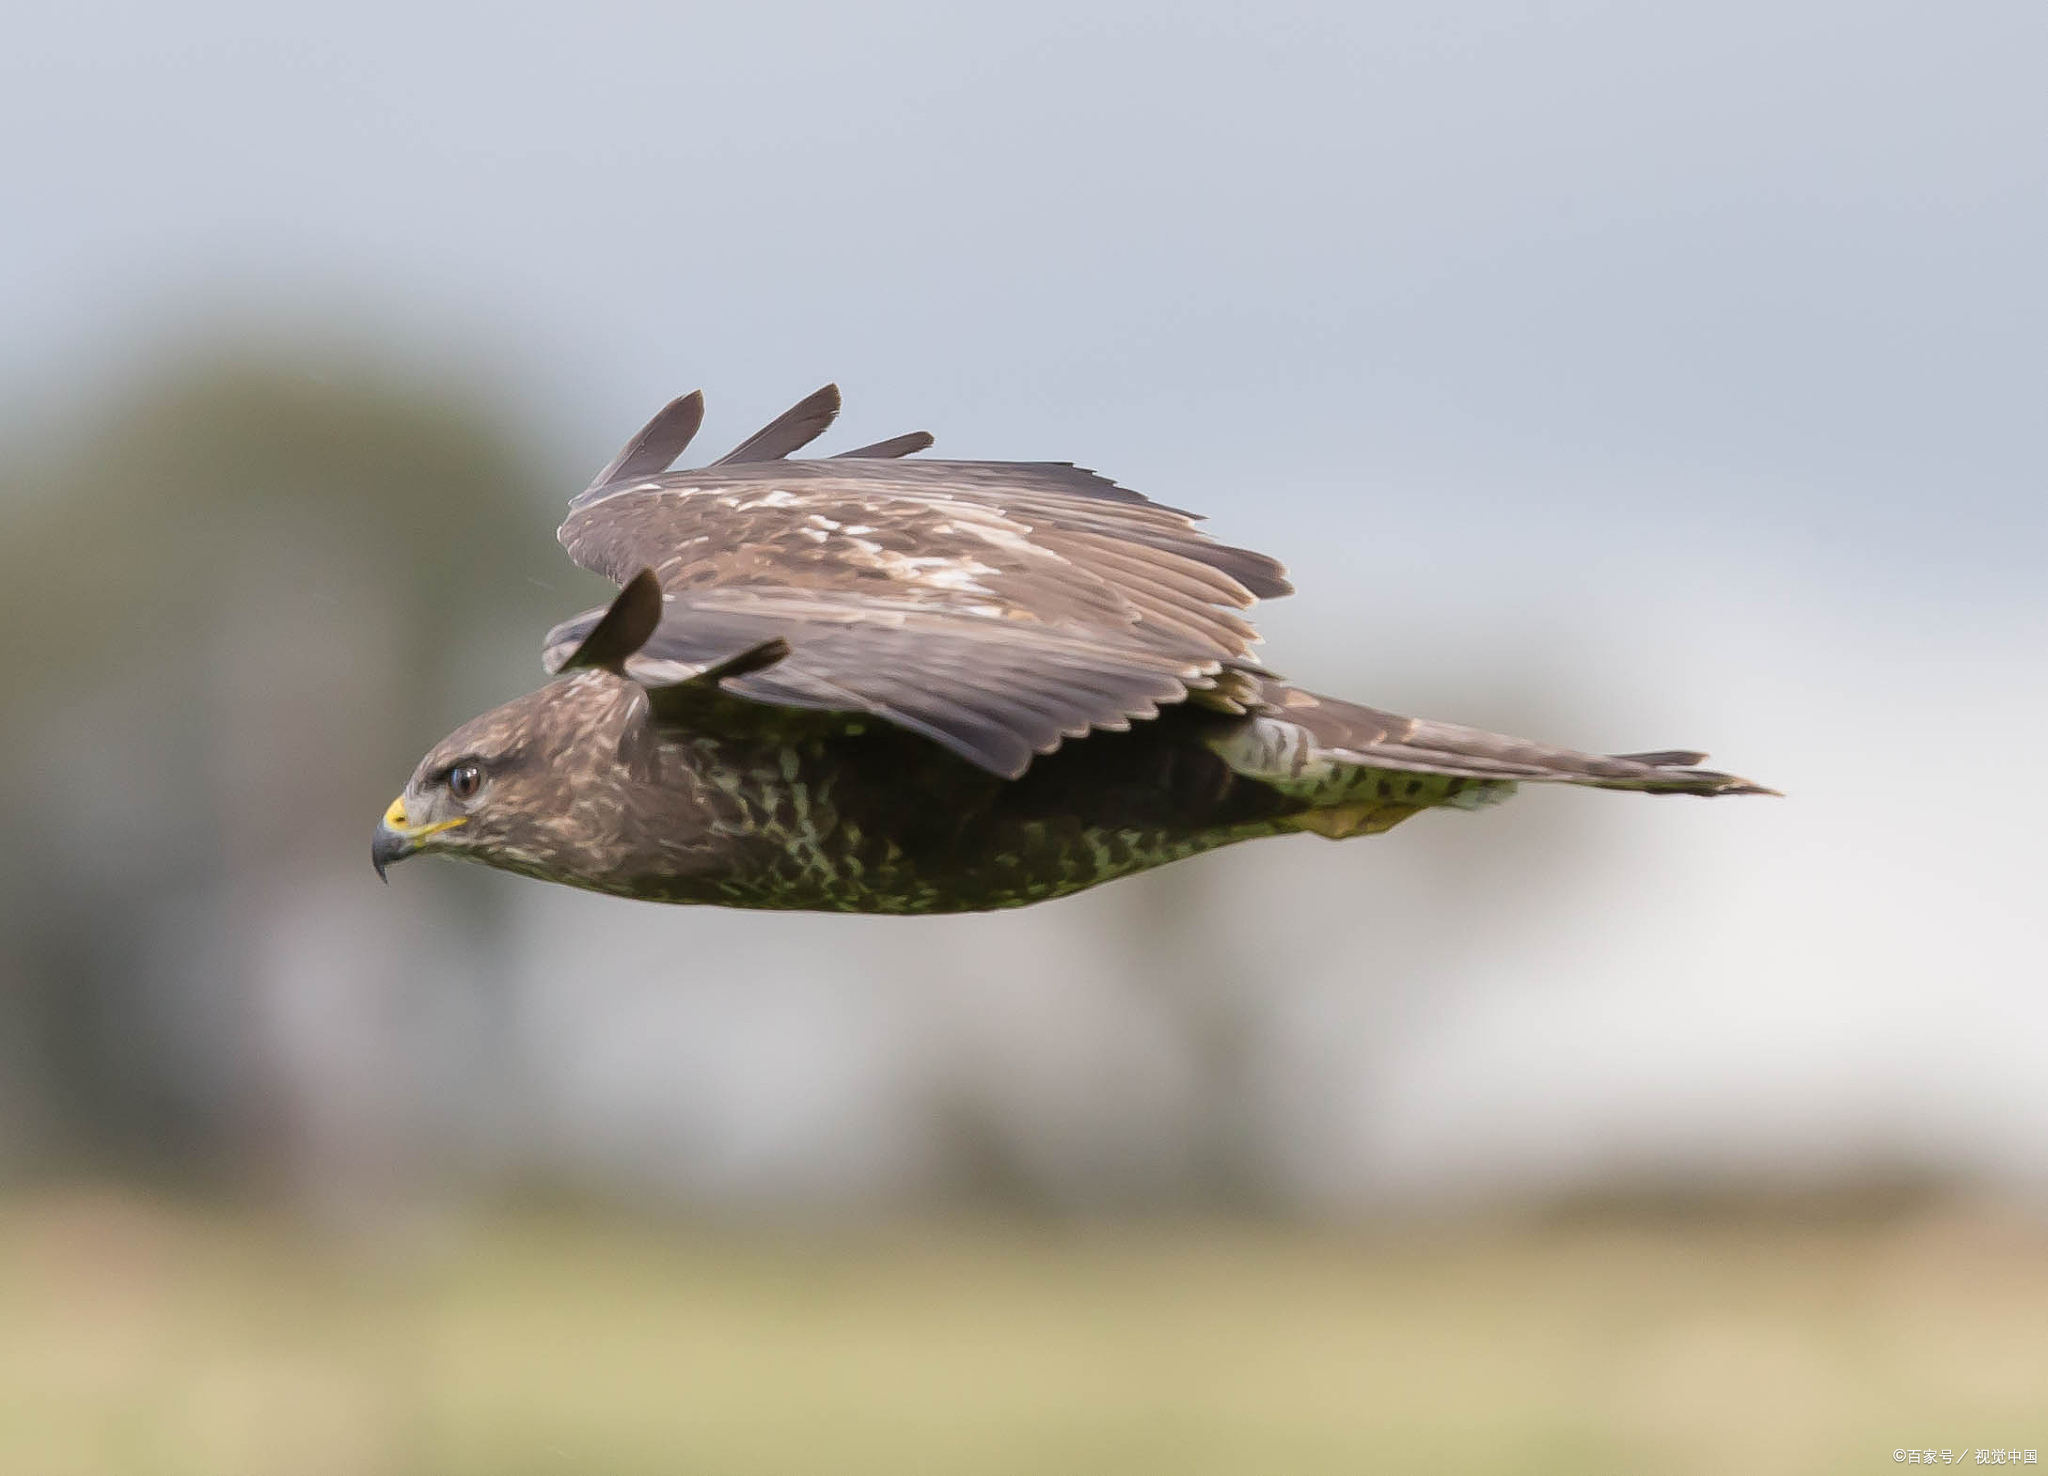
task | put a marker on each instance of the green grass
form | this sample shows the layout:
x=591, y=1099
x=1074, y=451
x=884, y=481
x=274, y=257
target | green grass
x=142, y=1337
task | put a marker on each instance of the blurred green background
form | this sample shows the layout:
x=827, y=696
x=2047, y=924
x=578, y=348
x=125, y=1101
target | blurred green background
x=1628, y=379
x=145, y=1336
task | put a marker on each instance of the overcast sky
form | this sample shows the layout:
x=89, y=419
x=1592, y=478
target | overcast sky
x=1714, y=335
x=1549, y=264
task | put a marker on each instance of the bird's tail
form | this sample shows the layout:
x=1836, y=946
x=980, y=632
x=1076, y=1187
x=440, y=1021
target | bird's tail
x=1362, y=771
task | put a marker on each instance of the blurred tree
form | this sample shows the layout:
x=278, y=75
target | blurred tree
x=246, y=593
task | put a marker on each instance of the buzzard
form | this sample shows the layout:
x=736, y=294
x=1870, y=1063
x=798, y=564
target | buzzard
x=869, y=684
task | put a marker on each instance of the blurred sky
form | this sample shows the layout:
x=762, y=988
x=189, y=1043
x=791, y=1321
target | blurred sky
x=1691, y=354
x=1781, y=260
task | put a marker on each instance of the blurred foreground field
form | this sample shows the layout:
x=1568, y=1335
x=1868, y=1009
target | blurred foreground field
x=145, y=1336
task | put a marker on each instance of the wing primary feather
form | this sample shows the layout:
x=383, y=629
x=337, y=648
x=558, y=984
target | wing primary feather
x=754, y=658
x=1177, y=571
x=624, y=628
x=792, y=430
x=889, y=450
x=655, y=449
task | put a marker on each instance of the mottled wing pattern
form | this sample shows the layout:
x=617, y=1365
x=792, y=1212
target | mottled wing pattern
x=995, y=607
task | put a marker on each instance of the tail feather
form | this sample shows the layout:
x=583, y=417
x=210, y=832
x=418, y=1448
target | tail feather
x=1433, y=747
x=1329, y=751
x=1667, y=758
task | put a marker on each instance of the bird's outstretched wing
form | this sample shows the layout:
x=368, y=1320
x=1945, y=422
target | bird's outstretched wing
x=995, y=607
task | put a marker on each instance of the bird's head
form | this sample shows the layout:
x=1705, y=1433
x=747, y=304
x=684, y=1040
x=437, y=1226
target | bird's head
x=534, y=786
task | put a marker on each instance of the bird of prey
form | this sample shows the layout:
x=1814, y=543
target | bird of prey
x=871, y=684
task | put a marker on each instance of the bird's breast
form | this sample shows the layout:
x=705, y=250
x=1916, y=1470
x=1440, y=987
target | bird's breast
x=893, y=827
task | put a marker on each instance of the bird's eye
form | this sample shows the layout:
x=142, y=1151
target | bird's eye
x=464, y=780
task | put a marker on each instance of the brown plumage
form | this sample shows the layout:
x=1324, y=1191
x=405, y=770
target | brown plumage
x=870, y=684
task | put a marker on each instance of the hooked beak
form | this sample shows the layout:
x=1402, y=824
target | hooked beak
x=396, y=838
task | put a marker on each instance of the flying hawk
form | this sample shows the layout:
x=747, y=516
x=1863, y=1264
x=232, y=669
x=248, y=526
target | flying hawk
x=867, y=684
